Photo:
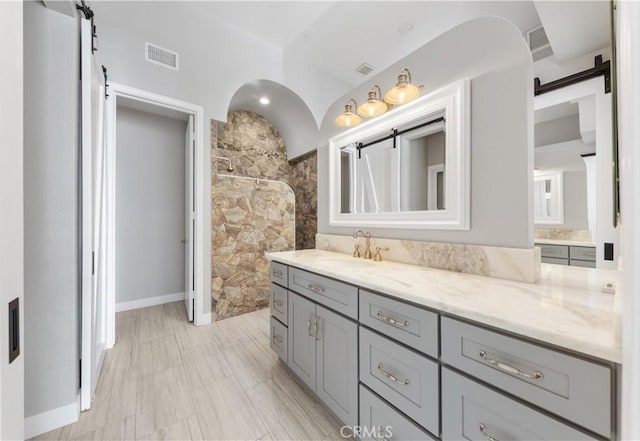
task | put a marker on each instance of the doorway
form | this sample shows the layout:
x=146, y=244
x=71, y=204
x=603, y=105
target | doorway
x=195, y=172
x=151, y=235
x=193, y=218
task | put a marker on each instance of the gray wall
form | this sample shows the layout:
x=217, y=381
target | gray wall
x=150, y=205
x=493, y=54
x=51, y=93
x=557, y=130
x=575, y=200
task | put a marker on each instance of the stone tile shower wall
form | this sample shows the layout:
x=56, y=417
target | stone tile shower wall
x=253, y=145
x=304, y=181
x=250, y=217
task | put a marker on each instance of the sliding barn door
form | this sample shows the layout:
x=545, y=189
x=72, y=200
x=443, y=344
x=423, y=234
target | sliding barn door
x=190, y=220
x=94, y=206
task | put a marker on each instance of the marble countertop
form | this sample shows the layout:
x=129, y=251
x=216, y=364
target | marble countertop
x=574, y=243
x=565, y=308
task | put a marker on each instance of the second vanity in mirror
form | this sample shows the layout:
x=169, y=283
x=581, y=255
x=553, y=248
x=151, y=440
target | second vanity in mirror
x=572, y=177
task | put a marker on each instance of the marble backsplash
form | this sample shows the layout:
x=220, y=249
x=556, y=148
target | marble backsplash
x=304, y=182
x=558, y=234
x=517, y=264
x=250, y=216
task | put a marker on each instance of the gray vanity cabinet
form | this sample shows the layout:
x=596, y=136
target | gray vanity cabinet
x=302, y=343
x=323, y=353
x=337, y=364
x=430, y=375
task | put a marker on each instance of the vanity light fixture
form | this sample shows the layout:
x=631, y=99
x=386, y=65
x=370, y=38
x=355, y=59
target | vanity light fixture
x=404, y=91
x=348, y=118
x=374, y=106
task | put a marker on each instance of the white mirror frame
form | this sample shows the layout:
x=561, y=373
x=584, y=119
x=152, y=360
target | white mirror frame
x=454, y=100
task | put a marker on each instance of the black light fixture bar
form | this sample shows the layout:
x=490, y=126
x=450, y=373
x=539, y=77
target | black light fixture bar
x=600, y=68
x=395, y=133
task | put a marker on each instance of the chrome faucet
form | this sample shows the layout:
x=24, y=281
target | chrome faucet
x=367, y=236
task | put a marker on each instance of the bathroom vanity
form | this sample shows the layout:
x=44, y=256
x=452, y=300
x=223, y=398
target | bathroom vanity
x=435, y=354
x=568, y=252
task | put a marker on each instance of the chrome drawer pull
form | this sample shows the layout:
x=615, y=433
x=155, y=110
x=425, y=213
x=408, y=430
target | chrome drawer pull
x=315, y=288
x=392, y=377
x=277, y=339
x=537, y=375
x=277, y=302
x=277, y=273
x=488, y=437
x=309, y=327
x=391, y=321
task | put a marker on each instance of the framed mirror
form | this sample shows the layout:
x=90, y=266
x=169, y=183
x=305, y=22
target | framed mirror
x=406, y=169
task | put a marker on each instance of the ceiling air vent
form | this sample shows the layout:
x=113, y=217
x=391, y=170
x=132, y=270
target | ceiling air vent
x=164, y=57
x=364, y=69
x=538, y=43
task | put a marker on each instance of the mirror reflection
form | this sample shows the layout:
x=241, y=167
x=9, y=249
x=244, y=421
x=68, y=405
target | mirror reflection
x=400, y=172
x=564, y=168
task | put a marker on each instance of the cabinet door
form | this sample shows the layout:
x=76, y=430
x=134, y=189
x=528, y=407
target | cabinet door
x=301, y=356
x=337, y=364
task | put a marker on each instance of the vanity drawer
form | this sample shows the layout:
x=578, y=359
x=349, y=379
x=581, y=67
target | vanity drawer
x=555, y=261
x=583, y=253
x=279, y=302
x=387, y=422
x=278, y=334
x=279, y=273
x=339, y=296
x=582, y=263
x=557, y=251
x=473, y=412
x=573, y=388
x=413, y=326
x=405, y=378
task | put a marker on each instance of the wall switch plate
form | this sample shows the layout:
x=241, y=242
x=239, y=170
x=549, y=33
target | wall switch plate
x=608, y=251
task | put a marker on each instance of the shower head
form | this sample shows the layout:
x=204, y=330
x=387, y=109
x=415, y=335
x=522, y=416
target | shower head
x=230, y=166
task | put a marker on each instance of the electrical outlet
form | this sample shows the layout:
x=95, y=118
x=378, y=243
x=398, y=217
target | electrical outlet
x=608, y=288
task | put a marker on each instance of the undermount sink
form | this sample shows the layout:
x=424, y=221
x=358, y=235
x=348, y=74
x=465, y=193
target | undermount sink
x=354, y=263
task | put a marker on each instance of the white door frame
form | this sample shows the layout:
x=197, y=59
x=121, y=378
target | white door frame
x=201, y=317
x=628, y=66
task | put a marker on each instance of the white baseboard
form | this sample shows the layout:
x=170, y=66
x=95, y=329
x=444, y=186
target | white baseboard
x=149, y=301
x=44, y=422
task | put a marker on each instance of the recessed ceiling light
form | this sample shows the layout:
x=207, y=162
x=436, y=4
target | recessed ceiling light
x=264, y=100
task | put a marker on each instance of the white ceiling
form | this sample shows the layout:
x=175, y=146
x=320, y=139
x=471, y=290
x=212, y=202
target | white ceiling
x=351, y=33
x=575, y=28
x=335, y=36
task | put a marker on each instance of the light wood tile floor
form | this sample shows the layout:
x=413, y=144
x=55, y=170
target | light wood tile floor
x=166, y=379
